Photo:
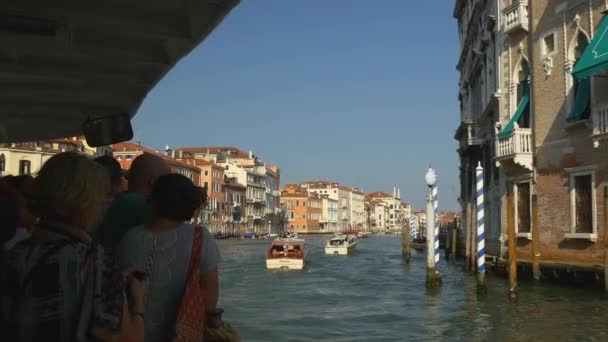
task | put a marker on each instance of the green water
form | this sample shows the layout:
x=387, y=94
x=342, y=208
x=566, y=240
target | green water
x=373, y=296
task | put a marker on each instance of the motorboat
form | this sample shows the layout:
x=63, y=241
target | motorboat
x=361, y=235
x=286, y=254
x=341, y=245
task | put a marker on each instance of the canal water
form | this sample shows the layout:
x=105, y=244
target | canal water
x=373, y=296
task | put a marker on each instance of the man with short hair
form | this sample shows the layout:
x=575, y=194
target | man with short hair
x=130, y=208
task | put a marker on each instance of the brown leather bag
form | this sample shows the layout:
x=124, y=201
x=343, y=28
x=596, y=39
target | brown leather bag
x=191, y=314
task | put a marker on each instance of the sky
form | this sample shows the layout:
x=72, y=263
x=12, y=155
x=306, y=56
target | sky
x=354, y=91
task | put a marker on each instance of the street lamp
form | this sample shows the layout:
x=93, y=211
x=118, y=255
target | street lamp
x=433, y=278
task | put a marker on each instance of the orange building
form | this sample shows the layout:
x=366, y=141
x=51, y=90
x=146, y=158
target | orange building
x=126, y=152
x=211, y=178
x=303, y=211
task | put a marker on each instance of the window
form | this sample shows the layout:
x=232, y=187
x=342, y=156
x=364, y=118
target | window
x=582, y=202
x=303, y=226
x=129, y=157
x=297, y=203
x=206, y=173
x=304, y=204
x=25, y=167
x=206, y=186
x=522, y=208
x=291, y=217
x=119, y=157
x=2, y=163
x=548, y=44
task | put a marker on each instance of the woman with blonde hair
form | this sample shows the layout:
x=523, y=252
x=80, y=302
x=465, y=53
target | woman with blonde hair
x=59, y=285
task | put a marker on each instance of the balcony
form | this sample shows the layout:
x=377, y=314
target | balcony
x=516, y=147
x=600, y=123
x=469, y=135
x=515, y=16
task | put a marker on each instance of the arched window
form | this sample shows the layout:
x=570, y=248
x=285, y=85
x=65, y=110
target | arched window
x=523, y=89
x=580, y=108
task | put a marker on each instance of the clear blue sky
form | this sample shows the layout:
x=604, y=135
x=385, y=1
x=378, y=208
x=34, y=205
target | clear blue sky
x=356, y=91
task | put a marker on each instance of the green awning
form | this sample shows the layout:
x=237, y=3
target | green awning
x=523, y=104
x=595, y=57
x=581, y=103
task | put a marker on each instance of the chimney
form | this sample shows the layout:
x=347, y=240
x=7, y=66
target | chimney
x=250, y=154
x=395, y=191
x=398, y=193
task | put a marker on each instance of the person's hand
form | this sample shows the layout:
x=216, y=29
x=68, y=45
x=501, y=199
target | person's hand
x=137, y=288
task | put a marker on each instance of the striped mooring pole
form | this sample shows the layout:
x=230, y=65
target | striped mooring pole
x=436, y=221
x=481, y=242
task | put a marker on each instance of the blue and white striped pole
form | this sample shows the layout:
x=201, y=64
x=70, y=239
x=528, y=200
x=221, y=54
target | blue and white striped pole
x=436, y=216
x=481, y=242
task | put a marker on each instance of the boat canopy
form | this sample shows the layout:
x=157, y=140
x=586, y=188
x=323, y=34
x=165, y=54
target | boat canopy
x=65, y=63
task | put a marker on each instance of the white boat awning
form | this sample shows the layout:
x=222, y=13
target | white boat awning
x=65, y=61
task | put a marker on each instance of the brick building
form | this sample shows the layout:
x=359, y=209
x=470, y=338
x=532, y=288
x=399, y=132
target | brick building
x=549, y=100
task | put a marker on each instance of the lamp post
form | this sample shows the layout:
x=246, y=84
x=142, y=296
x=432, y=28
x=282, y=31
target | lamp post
x=433, y=278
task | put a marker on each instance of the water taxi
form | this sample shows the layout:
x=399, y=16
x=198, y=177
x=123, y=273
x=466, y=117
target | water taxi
x=341, y=245
x=286, y=254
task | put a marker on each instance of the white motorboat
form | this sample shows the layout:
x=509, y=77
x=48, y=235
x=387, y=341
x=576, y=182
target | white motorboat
x=341, y=245
x=286, y=254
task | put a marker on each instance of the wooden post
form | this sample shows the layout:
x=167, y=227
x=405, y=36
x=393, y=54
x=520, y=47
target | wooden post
x=467, y=234
x=406, y=238
x=535, y=239
x=512, y=251
x=606, y=238
x=454, y=237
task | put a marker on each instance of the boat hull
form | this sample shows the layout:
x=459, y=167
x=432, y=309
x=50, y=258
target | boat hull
x=340, y=250
x=284, y=263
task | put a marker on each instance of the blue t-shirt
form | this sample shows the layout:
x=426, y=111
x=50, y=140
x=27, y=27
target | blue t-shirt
x=166, y=255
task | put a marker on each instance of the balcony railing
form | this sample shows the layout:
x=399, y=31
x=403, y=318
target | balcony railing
x=600, y=122
x=469, y=134
x=515, y=16
x=516, y=146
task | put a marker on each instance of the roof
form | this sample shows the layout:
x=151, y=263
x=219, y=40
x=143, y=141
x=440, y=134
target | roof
x=69, y=61
x=378, y=194
x=233, y=152
x=131, y=147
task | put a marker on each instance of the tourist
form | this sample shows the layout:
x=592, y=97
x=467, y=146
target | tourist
x=115, y=172
x=129, y=209
x=9, y=215
x=164, y=248
x=59, y=285
x=23, y=185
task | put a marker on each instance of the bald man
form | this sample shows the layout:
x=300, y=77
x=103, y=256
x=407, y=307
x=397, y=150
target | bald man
x=130, y=208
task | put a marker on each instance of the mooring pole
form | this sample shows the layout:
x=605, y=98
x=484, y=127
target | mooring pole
x=606, y=238
x=433, y=278
x=406, y=238
x=454, y=237
x=512, y=251
x=467, y=239
x=481, y=239
x=535, y=239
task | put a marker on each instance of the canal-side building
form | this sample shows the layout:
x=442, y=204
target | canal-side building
x=233, y=205
x=485, y=95
x=549, y=137
x=357, y=209
x=27, y=158
x=126, y=152
x=387, y=211
x=303, y=210
x=329, y=214
x=339, y=193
